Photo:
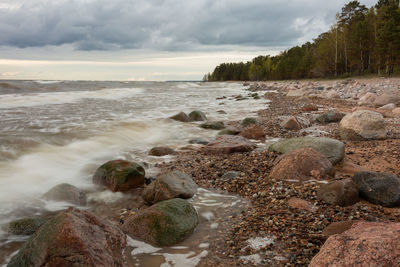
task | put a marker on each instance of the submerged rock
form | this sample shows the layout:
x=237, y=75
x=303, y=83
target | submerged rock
x=197, y=115
x=214, y=125
x=181, y=116
x=226, y=144
x=119, y=175
x=25, y=226
x=160, y=151
x=163, y=224
x=175, y=184
x=199, y=141
x=68, y=193
x=331, y=148
x=248, y=121
x=343, y=193
x=73, y=238
x=229, y=131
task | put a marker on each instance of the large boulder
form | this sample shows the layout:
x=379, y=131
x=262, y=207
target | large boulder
x=226, y=144
x=330, y=116
x=387, y=98
x=342, y=192
x=163, y=224
x=24, y=226
x=331, y=148
x=73, y=238
x=119, y=175
x=197, y=115
x=362, y=125
x=301, y=165
x=181, y=116
x=68, y=193
x=379, y=188
x=175, y=184
x=213, y=125
x=365, y=244
x=160, y=151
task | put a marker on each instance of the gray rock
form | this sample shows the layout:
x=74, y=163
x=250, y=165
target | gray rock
x=249, y=121
x=25, y=226
x=199, y=141
x=230, y=175
x=68, y=193
x=330, y=116
x=181, y=116
x=214, y=125
x=229, y=131
x=197, y=115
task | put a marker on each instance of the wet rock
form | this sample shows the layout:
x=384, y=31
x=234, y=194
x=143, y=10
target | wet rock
x=254, y=132
x=181, y=116
x=301, y=165
x=197, y=115
x=214, y=125
x=230, y=175
x=300, y=204
x=365, y=244
x=226, y=144
x=25, y=226
x=248, y=121
x=331, y=148
x=330, y=116
x=379, y=188
x=229, y=131
x=199, y=141
x=363, y=125
x=342, y=192
x=221, y=111
x=119, y=175
x=337, y=228
x=160, y=151
x=175, y=184
x=73, y=238
x=68, y=193
x=163, y=224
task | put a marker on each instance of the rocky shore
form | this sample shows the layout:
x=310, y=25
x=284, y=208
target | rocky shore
x=318, y=167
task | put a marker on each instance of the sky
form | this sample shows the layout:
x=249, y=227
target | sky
x=142, y=40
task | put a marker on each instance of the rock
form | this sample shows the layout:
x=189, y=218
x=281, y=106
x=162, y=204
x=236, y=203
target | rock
x=299, y=92
x=248, y=121
x=181, y=116
x=300, y=204
x=119, y=175
x=160, y=151
x=229, y=131
x=362, y=125
x=254, y=132
x=337, y=228
x=68, y=193
x=342, y=192
x=332, y=95
x=226, y=144
x=309, y=107
x=163, y=224
x=175, y=184
x=331, y=148
x=25, y=226
x=330, y=116
x=387, y=98
x=390, y=106
x=230, y=175
x=301, y=165
x=350, y=168
x=214, y=125
x=396, y=111
x=382, y=112
x=365, y=244
x=291, y=123
x=221, y=111
x=199, y=141
x=367, y=99
x=379, y=188
x=73, y=238
x=197, y=115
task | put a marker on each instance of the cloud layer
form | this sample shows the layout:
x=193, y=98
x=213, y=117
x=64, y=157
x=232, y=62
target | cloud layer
x=169, y=25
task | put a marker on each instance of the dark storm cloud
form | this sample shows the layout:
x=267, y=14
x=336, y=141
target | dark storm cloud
x=161, y=24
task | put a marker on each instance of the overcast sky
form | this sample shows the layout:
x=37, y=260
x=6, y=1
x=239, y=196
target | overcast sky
x=150, y=39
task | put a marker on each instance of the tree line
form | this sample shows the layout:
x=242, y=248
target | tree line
x=362, y=41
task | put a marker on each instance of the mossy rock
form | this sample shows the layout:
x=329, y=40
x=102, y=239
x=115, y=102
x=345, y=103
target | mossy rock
x=181, y=116
x=68, y=193
x=229, y=131
x=197, y=115
x=25, y=226
x=120, y=175
x=214, y=125
x=163, y=224
x=248, y=121
x=160, y=151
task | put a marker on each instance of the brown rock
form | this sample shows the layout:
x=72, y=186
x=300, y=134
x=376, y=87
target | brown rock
x=300, y=204
x=226, y=144
x=343, y=193
x=337, y=228
x=255, y=132
x=350, y=168
x=396, y=111
x=302, y=165
x=365, y=244
x=291, y=124
x=309, y=107
x=160, y=151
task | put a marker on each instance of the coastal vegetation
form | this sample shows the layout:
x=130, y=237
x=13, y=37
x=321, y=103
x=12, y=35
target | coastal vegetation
x=362, y=41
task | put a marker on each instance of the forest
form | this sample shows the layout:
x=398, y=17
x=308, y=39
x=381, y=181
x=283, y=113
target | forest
x=362, y=41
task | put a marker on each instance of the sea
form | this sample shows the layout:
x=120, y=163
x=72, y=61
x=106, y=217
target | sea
x=54, y=132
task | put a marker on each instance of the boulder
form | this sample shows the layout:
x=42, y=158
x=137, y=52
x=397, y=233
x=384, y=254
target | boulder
x=367, y=99
x=73, y=238
x=301, y=165
x=181, y=116
x=163, y=224
x=248, y=121
x=175, y=184
x=390, y=106
x=229, y=175
x=291, y=123
x=330, y=116
x=331, y=148
x=226, y=144
x=299, y=92
x=229, y=131
x=379, y=188
x=25, y=226
x=254, y=132
x=363, y=125
x=396, y=111
x=68, y=193
x=160, y=151
x=387, y=98
x=197, y=115
x=119, y=175
x=337, y=228
x=342, y=192
x=214, y=125
x=364, y=244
